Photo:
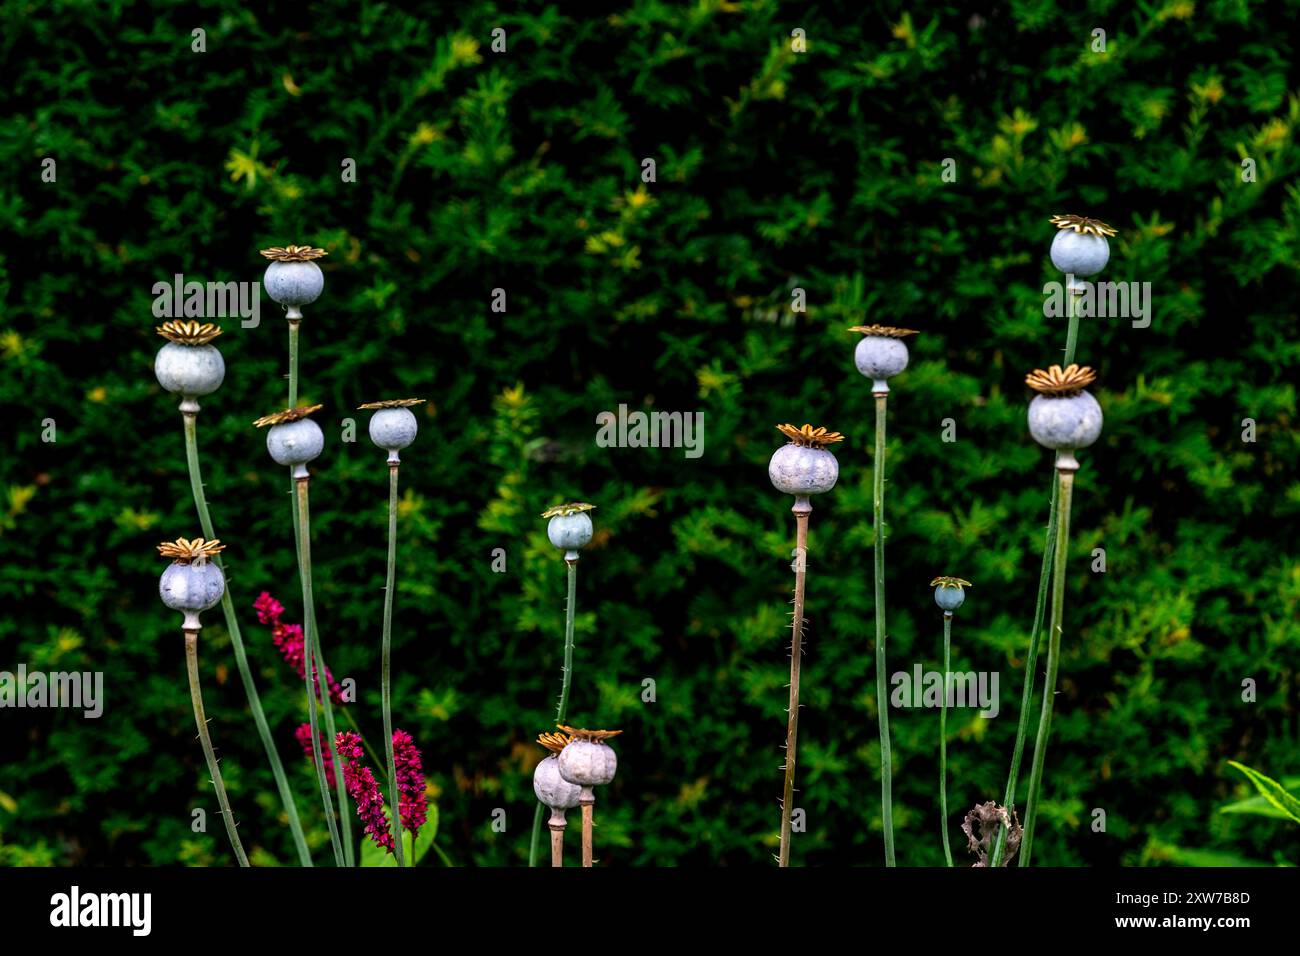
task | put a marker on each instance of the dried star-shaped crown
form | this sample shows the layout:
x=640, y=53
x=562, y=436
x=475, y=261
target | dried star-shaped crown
x=810, y=437
x=888, y=331
x=595, y=736
x=1055, y=381
x=194, y=549
x=293, y=253
x=288, y=415
x=1082, y=224
x=554, y=742
x=393, y=403
x=948, y=581
x=189, y=333
x=576, y=507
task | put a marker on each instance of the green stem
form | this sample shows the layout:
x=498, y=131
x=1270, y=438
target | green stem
x=309, y=670
x=293, y=362
x=566, y=681
x=386, y=679
x=1066, y=485
x=196, y=698
x=237, y=644
x=943, y=735
x=370, y=751
x=882, y=678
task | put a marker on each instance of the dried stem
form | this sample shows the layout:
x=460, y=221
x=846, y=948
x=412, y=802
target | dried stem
x=196, y=697
x=557, y=841
x=882, y=677
x=588, y=811
x=386, y=679
x=802, y=508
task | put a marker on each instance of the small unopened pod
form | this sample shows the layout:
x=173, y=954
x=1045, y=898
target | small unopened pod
x=587, y=760
x=570, y=527
x=804, y=466
x=1080, y=247
x=393, y=425
x=189, y=365
x=192, y=583
x=882, y=353
x=292, y=278
x=1062, y=415
x=294, y=439
x=949, y=592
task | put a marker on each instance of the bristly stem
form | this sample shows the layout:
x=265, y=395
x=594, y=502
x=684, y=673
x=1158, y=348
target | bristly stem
x=237, y=644
x=386, y=679
x=196, y=697
x=943, y=735
x=1066, y=485
x=566, y=681
x=882, y=678
x=304, y=572
x=1040, y=609
x=802, y=508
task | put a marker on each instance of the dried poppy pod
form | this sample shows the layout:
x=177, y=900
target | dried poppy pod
x=1063, y=416
x=949, y=593
x=554, y=792
x=804, y=466
x=570, y=527
x=393, y=425
x=293, y=279
x=191, y=582
x=881, y=354
x=294, y=439
x=589, y=762
x=1080, y=247
x=189, y=365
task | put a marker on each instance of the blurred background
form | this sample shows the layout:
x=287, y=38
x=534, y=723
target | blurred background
x=774, y=171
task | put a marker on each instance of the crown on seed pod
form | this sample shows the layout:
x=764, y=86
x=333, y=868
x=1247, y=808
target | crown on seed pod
x=287, y=415
x=393, y=403
x=1084, y=226
x=886, y=331
x=192, y=549
x=553, y=742
x=564, y=511
x=594, y=736
x=948, y=581
x=1061, y=382
x=189, y=333
x=810, y=437
x=293, y=253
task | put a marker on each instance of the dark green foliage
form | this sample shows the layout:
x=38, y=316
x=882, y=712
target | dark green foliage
x=775, y=170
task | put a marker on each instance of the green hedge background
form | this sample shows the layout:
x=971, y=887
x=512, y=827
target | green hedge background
x=775, y=170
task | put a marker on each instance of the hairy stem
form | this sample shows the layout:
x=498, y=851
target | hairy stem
x=237, y=644
x=566, y=681
x=882, y=677
x=802, y=508
x=386, y=679
x=943, y=736
x=196, y=697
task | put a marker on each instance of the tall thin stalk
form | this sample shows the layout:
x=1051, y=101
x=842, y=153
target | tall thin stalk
x=1065, y=482
x=802, y=509
x=882, y=677
x=386, y=679
x=237, y=644
x=566, y=681
x=943, y=735
x=196, y=698
x=309, y=618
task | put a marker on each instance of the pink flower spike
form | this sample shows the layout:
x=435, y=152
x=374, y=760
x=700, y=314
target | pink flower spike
x=410, y=783
x=303, y=736
x=364, y=790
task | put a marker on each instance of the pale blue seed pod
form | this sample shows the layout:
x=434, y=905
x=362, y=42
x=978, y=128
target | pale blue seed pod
x=588, y=763
x=570, y=532
x=800, y=470
x=392, y=429
x=1065, y=422
x=293, y=283
x=551, y=788
x=189, y=370
x=949, y=598
x=1078, y=253
x=295, y=443
x=879, y=357
x=191, y=588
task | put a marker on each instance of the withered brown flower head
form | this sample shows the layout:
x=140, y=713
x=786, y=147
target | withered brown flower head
x=987, y=818
x=394, y=403
x=888, y=331
x=948, y=581
x=554, y=742
x=293, y=253
x=189, y=333
x=595, y=736
x=184, y=551
x=1055, y=381
x=1089, y=227
x=566, y=510
x=288, y=415
x=810, y=437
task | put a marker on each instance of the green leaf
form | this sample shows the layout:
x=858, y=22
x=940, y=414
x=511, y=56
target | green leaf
x=1272, y=791
x=372, y=855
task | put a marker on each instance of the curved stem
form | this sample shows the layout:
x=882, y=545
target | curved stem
x=943, y=735
x=309, y=670
x=386, y=679
x=1066, y=482
x=196, y=697
x=237, y=644
x=566, y=681
x=882, y=678
x=802, y=508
